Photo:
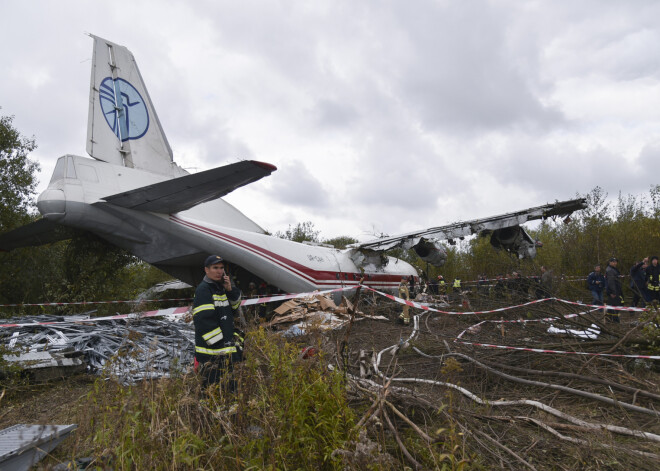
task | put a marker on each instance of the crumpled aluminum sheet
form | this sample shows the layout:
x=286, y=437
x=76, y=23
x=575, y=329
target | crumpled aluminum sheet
x=127, y=349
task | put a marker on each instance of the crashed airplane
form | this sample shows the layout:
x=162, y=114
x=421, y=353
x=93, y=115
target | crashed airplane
x=132, y=194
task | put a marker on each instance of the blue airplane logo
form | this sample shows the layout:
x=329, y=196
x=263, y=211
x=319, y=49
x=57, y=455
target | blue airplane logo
x=124, y=109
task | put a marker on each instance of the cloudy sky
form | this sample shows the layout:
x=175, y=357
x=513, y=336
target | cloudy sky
x=381, y=116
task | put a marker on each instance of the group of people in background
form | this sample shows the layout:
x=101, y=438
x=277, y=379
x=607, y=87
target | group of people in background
x=608, y=288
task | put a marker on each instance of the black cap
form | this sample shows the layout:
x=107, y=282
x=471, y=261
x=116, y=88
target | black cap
x=212, y=260
x=614, y=259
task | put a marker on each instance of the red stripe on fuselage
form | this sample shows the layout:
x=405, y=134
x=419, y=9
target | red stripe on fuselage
x=315, y=277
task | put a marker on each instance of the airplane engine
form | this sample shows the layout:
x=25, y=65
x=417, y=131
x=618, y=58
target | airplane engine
x=432, y=252
x=514, y=239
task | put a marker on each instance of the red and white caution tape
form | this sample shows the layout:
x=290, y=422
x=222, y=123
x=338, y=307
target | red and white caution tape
x=540, y=350
x=598, y=306
x=82, y=303
x=282, y=297
x=506, y=321
x=173, y=311
x=427, y=308
x=179, y=311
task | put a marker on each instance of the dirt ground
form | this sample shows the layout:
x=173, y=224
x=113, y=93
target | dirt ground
x=581, y=411
x=577, y=396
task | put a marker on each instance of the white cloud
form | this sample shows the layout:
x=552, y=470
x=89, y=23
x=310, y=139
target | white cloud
x=381, y=117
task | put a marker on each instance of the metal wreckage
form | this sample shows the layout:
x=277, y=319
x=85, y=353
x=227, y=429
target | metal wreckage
x=129, y=348
x=145, y=345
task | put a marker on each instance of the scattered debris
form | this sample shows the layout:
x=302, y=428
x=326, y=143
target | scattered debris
x=129, y=349
x=23, y=445
x=591, y=332
x=318, y=311
x=44, y=366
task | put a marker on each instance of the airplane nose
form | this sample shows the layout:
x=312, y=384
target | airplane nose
x=52, y=204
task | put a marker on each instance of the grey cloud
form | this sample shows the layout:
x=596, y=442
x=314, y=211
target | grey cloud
x=333, y=114
x=295, y=185
x=460, y=73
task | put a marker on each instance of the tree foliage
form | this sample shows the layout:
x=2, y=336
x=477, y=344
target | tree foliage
x=341, y=242
x=83, y=269
x=301, y=232
x=17, y=175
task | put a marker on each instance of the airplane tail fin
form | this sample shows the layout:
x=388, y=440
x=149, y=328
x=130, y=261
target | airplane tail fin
x=123, y=128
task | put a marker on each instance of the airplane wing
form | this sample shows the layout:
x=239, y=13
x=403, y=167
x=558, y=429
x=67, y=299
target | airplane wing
x=42, y=231
x=179, y=194
x=505, y=229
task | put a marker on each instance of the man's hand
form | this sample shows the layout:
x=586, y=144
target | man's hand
x=226, y=283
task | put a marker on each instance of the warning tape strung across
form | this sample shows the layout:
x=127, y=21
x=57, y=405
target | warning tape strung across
x=457, y=313
x=523, y=321
x=178, y=311
x=245, y=302
x=173, y=311
x=272, y=299
x=598, y=306
x=540, y=350
x=506, y=308
x=81, y=303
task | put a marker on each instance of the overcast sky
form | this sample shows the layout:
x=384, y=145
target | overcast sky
x=381, y=116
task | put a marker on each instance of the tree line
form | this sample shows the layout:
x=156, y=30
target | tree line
x=87, y=268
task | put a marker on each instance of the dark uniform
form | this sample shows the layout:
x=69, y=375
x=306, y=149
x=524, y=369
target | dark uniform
x=613, y=291
x=653, y=279
x=638, y=284
x=217, y=344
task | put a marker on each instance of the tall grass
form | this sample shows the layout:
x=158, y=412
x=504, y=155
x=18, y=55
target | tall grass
x=292, y=414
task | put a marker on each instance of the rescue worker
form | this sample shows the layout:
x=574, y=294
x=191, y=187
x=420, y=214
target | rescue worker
x=596, y=284
x=500, y=288
x=457, y=285
x=613, y=290
x=404, y=293
x=442, y=286
x=638, y=283
x=412, y=290
x=545, y=284
x=653, y=279
x=433, y=286
x=217, y=344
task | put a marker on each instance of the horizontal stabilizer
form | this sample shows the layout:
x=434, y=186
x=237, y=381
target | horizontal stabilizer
x=39, y=232
x=183, y=193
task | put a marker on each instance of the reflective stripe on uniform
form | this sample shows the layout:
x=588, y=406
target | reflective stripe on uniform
x=203, y=307
x=216, y=351
x=210, y=336
x=214, y=340
x=236, y=304
x=240, y=339
x=220, y=300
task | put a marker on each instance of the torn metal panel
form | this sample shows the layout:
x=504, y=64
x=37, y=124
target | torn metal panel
x=160, y=287
x=23, y=445
x=44, y=366
x=128, y=349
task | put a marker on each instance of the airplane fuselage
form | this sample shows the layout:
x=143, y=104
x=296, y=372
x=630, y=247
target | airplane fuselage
x=177, y=243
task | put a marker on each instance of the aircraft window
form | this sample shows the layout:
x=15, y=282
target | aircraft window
x=87, y=173
x=70, y=169
x=58, y=173
x=337, y=275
